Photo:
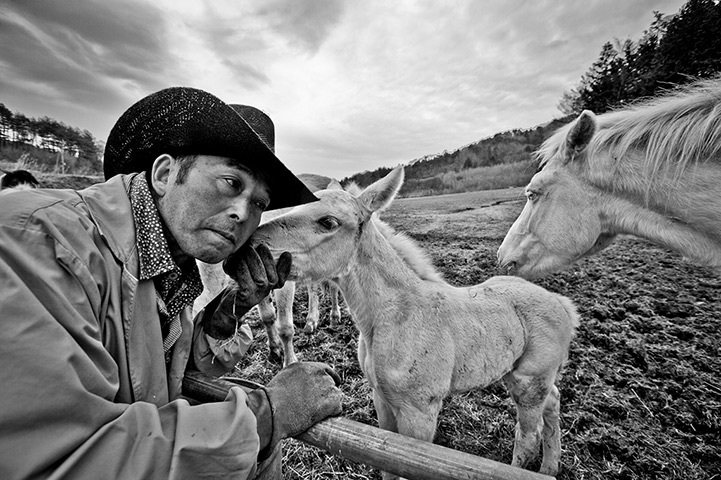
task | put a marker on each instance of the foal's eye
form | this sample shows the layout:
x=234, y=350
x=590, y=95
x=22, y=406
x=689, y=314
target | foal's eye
x=532, y=196
x=329, y=223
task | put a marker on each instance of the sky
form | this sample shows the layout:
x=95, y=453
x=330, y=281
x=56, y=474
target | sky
x=351, y=85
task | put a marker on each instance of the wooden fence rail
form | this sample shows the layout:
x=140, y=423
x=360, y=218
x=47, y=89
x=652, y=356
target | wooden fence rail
x=387, y=451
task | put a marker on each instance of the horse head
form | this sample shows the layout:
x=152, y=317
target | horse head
x=561, y=221
x=322, y=236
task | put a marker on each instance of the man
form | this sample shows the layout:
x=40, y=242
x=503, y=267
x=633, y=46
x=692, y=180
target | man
x=96, y=287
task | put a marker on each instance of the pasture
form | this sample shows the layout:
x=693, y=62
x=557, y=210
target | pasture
x=640, y=394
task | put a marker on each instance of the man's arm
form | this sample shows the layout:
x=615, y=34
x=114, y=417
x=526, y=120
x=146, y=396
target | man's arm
x=59, y=347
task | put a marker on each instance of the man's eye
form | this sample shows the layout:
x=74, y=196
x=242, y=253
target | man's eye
x=261, y=205
x=234, y=183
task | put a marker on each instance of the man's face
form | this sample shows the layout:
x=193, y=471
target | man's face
x=214, y=210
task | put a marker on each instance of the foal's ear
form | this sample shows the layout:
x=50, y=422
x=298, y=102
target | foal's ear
x=580, y=134
x=334, y=185
x=380, y=194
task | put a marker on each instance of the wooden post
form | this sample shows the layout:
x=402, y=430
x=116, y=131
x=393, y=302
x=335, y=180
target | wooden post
x=387, y=451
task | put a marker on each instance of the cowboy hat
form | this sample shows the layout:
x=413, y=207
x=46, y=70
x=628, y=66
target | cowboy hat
x=188, y=121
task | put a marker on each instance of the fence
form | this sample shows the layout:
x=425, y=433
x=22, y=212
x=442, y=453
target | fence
x=387, y=451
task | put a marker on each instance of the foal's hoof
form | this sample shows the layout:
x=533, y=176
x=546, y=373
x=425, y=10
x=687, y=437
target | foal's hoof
x=309, y=328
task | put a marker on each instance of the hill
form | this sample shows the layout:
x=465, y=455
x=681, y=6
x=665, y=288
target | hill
x=503, y=160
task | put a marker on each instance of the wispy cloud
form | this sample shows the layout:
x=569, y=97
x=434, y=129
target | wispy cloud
x=350, y=85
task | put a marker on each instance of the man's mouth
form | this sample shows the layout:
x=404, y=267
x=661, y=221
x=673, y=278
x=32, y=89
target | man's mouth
x=227, y=236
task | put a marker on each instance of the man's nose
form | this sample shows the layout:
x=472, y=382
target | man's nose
x=240, y=210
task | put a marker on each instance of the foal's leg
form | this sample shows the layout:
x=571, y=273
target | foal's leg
x=284, y=301
x=386, y=417
x=551, y=433
x=335, y=305
x=267, y=316
x=529, y=394
x=386, y=421
x=311, y=319
x=407, y=421
x=417, y=423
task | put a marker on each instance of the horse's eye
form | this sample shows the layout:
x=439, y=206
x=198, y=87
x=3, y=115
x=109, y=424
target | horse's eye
x=329, y=223
x=532, y=196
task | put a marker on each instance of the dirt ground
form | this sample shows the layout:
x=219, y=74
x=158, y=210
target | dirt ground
x=641, y=397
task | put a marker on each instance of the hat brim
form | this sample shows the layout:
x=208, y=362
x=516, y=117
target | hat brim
x=244, y=145
x=286, y=189
x=187, y=121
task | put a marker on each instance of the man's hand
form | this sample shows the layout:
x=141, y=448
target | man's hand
x=256, y=274
x=301, y=395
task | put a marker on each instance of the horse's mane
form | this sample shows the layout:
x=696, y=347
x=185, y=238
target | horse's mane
x=674, y=130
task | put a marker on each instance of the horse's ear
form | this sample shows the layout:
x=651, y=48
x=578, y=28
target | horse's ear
x=581, y=133
x=334, y=185
x=380, y=194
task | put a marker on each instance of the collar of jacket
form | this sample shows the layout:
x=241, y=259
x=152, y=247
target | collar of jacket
x=109, y=206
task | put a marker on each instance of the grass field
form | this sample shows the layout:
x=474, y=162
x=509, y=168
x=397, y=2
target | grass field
x=641, y=397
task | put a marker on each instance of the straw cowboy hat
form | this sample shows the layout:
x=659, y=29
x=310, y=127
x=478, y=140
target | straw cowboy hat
x=188, y=121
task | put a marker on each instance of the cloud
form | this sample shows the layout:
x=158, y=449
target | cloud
x=350, y=85
x=77, y=56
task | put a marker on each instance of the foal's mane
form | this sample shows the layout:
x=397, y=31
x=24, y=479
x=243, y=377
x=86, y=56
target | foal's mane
x=674, y=130
x=411, y=253
x=407, y=248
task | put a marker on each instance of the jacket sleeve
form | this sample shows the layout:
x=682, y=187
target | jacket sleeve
x=59, y=382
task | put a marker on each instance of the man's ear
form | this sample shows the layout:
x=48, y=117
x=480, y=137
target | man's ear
x=160, y=173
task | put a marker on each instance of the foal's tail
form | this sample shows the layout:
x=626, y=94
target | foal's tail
x=573, y=319
x=571, y=310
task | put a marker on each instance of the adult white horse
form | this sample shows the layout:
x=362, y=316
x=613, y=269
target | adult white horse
x=422, y=339
x=652, y=170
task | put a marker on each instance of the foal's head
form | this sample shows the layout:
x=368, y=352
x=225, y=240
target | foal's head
x=323, y=236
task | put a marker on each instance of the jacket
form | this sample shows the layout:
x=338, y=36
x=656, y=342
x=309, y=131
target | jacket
x=84, y=392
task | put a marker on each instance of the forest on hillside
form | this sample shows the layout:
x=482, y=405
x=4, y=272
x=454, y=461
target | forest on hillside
x=46, y=145
x=675, y=49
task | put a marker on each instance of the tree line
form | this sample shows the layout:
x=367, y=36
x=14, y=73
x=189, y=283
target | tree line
x=675, y=50
x=48, y=141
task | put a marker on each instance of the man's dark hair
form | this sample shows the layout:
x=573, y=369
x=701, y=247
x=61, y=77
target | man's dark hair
x=18, y=177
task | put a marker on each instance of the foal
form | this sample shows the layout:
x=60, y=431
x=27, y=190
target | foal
x=422, y=339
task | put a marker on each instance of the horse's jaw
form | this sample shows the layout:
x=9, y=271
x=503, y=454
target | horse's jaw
x=530, y=259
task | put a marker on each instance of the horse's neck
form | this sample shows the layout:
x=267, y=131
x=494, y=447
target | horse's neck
x=380, y=286
x=412, y=254
x=694, y=234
